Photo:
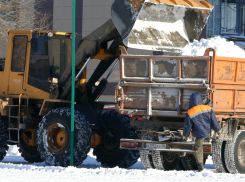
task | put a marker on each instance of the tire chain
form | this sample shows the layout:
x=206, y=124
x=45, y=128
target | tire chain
x=157, y=161
x=82, y=126
x=216, y=156
x=229, y=154
x=145, y=159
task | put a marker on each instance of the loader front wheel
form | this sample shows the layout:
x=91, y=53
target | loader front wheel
x=3, y=138
x=108, y=152
x=54, y=135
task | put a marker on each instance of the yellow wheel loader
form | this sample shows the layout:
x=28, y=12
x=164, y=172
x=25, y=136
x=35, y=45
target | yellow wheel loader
x=35, y=81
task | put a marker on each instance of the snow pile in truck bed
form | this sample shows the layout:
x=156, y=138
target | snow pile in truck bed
x=223, y=48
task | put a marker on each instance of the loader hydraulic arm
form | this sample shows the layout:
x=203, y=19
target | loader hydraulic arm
x=94, y=46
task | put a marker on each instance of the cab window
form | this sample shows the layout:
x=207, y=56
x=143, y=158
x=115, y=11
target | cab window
x=19, y=53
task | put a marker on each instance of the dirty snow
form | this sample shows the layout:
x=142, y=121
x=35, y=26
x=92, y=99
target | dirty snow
x=15, y=168
x=223, y=48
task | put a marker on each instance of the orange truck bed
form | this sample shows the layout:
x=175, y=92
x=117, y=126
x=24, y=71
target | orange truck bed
x=162, y=85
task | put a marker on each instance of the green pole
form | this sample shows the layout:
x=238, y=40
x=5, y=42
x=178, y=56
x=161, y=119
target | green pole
x=73, y=79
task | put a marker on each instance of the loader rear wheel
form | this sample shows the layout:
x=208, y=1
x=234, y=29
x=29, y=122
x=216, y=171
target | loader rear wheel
x=3, y=138
x=29, y=153
x=54, y=135
x=108, y=153
x=235, y=153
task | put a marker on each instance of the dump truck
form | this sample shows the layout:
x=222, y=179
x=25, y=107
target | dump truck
x=155, y=91
x=35, y=82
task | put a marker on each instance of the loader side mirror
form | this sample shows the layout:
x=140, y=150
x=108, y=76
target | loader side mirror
x=34, y=45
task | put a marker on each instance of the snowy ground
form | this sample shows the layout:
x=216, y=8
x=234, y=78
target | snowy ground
x=15, y=168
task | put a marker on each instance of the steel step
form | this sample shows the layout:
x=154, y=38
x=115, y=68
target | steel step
x=12, y=141
x=15, y=106
x=13, y=128
x=16, y=117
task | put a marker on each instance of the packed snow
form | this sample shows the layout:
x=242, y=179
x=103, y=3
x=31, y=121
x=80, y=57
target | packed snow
x=15, y=168
x=223, y=48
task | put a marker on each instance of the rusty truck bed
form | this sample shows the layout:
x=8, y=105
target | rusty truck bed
x=162, y=85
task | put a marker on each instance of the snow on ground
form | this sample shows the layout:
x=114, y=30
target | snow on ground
x=223, y=48
x=15, y=168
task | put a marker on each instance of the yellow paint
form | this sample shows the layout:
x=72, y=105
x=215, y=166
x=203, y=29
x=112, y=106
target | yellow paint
x=96, y=140
x=30, y=141
x=13, y=84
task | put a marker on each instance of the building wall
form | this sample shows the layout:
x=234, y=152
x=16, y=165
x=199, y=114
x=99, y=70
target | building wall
x=62, y=17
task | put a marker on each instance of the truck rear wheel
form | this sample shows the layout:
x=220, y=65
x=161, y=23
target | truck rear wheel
x=3, y=139
x=235, y=153
x=108, y=153
x=189, y=162
x=146, y=159
x=165, y=160
x=54, y=135
x=180, y=166
x=218, y=157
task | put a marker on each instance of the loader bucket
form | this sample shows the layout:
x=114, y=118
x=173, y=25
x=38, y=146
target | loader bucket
x=160, y=25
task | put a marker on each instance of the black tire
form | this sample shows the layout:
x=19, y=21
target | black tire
x=165, y=160
x=189, y=162
x=146, y=159
x=3, y=139
x=29, y=153
x=180, y=166
x=54, y=123
x=108, y=153
x=218, y=157
x=234, y=150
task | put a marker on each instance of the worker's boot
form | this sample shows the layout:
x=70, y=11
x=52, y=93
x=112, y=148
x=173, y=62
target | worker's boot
x=200, y=166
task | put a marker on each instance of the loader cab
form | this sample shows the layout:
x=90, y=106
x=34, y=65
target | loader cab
x=34, y=62
x=50, y=55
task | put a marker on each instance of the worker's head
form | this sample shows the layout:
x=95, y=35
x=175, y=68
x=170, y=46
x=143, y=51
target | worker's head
x=195, y=100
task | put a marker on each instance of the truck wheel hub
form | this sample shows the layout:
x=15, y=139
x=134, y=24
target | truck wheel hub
x=111, y=140
x=170, y=157
x=57, y=138
x=241, y=153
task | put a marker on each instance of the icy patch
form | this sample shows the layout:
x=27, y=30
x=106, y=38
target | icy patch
x=223, y=48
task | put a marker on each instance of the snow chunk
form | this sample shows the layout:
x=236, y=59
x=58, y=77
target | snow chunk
x=223, y=48
x=13, y=151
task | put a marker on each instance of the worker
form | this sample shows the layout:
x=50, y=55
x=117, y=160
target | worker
x=200, y=119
